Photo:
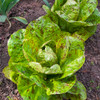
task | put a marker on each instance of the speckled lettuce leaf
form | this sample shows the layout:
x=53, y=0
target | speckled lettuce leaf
x=31, y=43
x=10, y=74
x=38, y=33
x=60, y=86
x=57, y=5
x=30, y=91
x=26, y=71
x=54, y=69
x=62, y=47
x=22, y=68
x=75, y=57
x=87, y=7
x=69, y=11
x=71, y=26
x=70, y=54
x=94, y=18
x=84, y=33
x=15, y=44
x=46, y=56
x=53, y=16
x=77, y=92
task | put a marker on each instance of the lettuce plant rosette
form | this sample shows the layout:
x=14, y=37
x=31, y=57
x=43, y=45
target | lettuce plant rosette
x=43, y=60
x=79, y=17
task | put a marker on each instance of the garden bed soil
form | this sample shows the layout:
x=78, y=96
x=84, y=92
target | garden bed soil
x=89, y=74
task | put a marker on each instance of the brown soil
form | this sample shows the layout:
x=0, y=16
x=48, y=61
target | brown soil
x=89, y=74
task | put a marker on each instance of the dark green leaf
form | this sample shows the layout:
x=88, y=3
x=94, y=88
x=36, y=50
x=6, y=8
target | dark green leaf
x=3, y=18
x=47, y=3
x=7, y=5
x=11, y=5
x=21, y=19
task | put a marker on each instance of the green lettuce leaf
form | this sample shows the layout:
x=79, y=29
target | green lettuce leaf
x=77, y=92
x=10, y=74
x=69, y=11
x=30, y=91
x=84, y=33
x=60, y=86
x=46, y=56
x=15, y=44
x=70, y=51
x=94, y=18
x=57, y=5
x=55, y=69
x=87, y=7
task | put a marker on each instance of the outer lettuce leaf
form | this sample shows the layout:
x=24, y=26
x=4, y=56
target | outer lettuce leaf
x=71, y=26
x=84, y=33
x=60, y=86
x=78, y=92
x=94, y=18
x=57, y=5
x=13, y=76
x=87, y=7
x=24, y=70
x=30, y=91
x=31, y=43
x=77, y=89
x=71, y=55
x=15, y=44
x=53, y=16
x=69, y=11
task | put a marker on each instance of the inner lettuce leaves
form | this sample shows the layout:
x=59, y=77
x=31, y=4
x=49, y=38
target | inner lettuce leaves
x=45, y=56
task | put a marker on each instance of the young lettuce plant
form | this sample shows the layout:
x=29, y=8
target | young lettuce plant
x=43, y=60
x=5, y=7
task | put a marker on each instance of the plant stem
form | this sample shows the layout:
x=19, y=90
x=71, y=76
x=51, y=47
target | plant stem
x=9, y=23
